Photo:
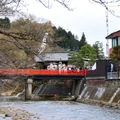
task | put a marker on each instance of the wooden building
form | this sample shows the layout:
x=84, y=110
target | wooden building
x=115, y=39
x=55, y=56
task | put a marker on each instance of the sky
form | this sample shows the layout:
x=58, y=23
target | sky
x=87, y=17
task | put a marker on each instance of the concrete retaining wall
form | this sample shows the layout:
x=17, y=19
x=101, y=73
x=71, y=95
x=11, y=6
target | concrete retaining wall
x=106, y=92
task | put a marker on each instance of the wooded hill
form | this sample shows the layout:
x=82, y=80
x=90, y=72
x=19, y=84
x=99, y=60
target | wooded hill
x=21, y=39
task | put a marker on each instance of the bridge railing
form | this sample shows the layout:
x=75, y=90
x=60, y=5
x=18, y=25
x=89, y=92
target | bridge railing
x=113, y=75
x=41, y=72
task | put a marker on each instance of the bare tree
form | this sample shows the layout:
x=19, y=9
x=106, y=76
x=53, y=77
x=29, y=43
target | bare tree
x=8, y=7
x=109, y=5
x=21, y=43
x=11, y=6
x=48, y=3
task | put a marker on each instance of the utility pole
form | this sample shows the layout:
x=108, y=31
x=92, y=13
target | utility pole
x=107, y=27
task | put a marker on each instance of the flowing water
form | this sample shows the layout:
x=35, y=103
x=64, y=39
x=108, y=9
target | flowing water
x=64, y=110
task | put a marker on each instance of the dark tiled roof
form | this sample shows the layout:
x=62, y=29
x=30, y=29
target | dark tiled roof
x=53, y=56
x=55, y=53
x=58, y=56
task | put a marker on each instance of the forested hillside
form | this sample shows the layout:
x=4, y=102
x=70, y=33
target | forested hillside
x=67, y=40
x=21, y=40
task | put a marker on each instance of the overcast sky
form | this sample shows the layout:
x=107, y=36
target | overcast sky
x=86, y=17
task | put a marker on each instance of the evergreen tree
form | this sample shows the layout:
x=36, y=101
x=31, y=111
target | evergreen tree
x=98, y=50
x=65, y=39
x=4, y=23
x=86, y=53
x=82, y=40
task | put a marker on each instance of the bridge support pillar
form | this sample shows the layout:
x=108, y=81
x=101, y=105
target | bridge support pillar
x=78, y=86
x=28, y=89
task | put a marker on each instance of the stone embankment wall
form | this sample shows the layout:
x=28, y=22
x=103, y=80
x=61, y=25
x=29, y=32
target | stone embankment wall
x=101, y=91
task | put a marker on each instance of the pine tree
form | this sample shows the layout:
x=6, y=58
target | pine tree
x=4, y=23
x=98, y=46
x=82, y=40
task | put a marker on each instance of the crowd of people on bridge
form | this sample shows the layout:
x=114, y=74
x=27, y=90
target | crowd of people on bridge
x=61, y=66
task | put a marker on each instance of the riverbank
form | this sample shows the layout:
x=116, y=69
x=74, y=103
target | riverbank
x=64, y=110
x=17, y=114
x=33, y=110
x=99, y=103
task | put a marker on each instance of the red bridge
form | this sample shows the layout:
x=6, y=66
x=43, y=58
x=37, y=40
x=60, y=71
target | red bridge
x=40, y=73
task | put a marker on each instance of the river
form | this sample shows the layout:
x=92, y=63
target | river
x=64, y=110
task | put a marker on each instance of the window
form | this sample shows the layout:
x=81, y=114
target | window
x=119, y=41
x=114, y=42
